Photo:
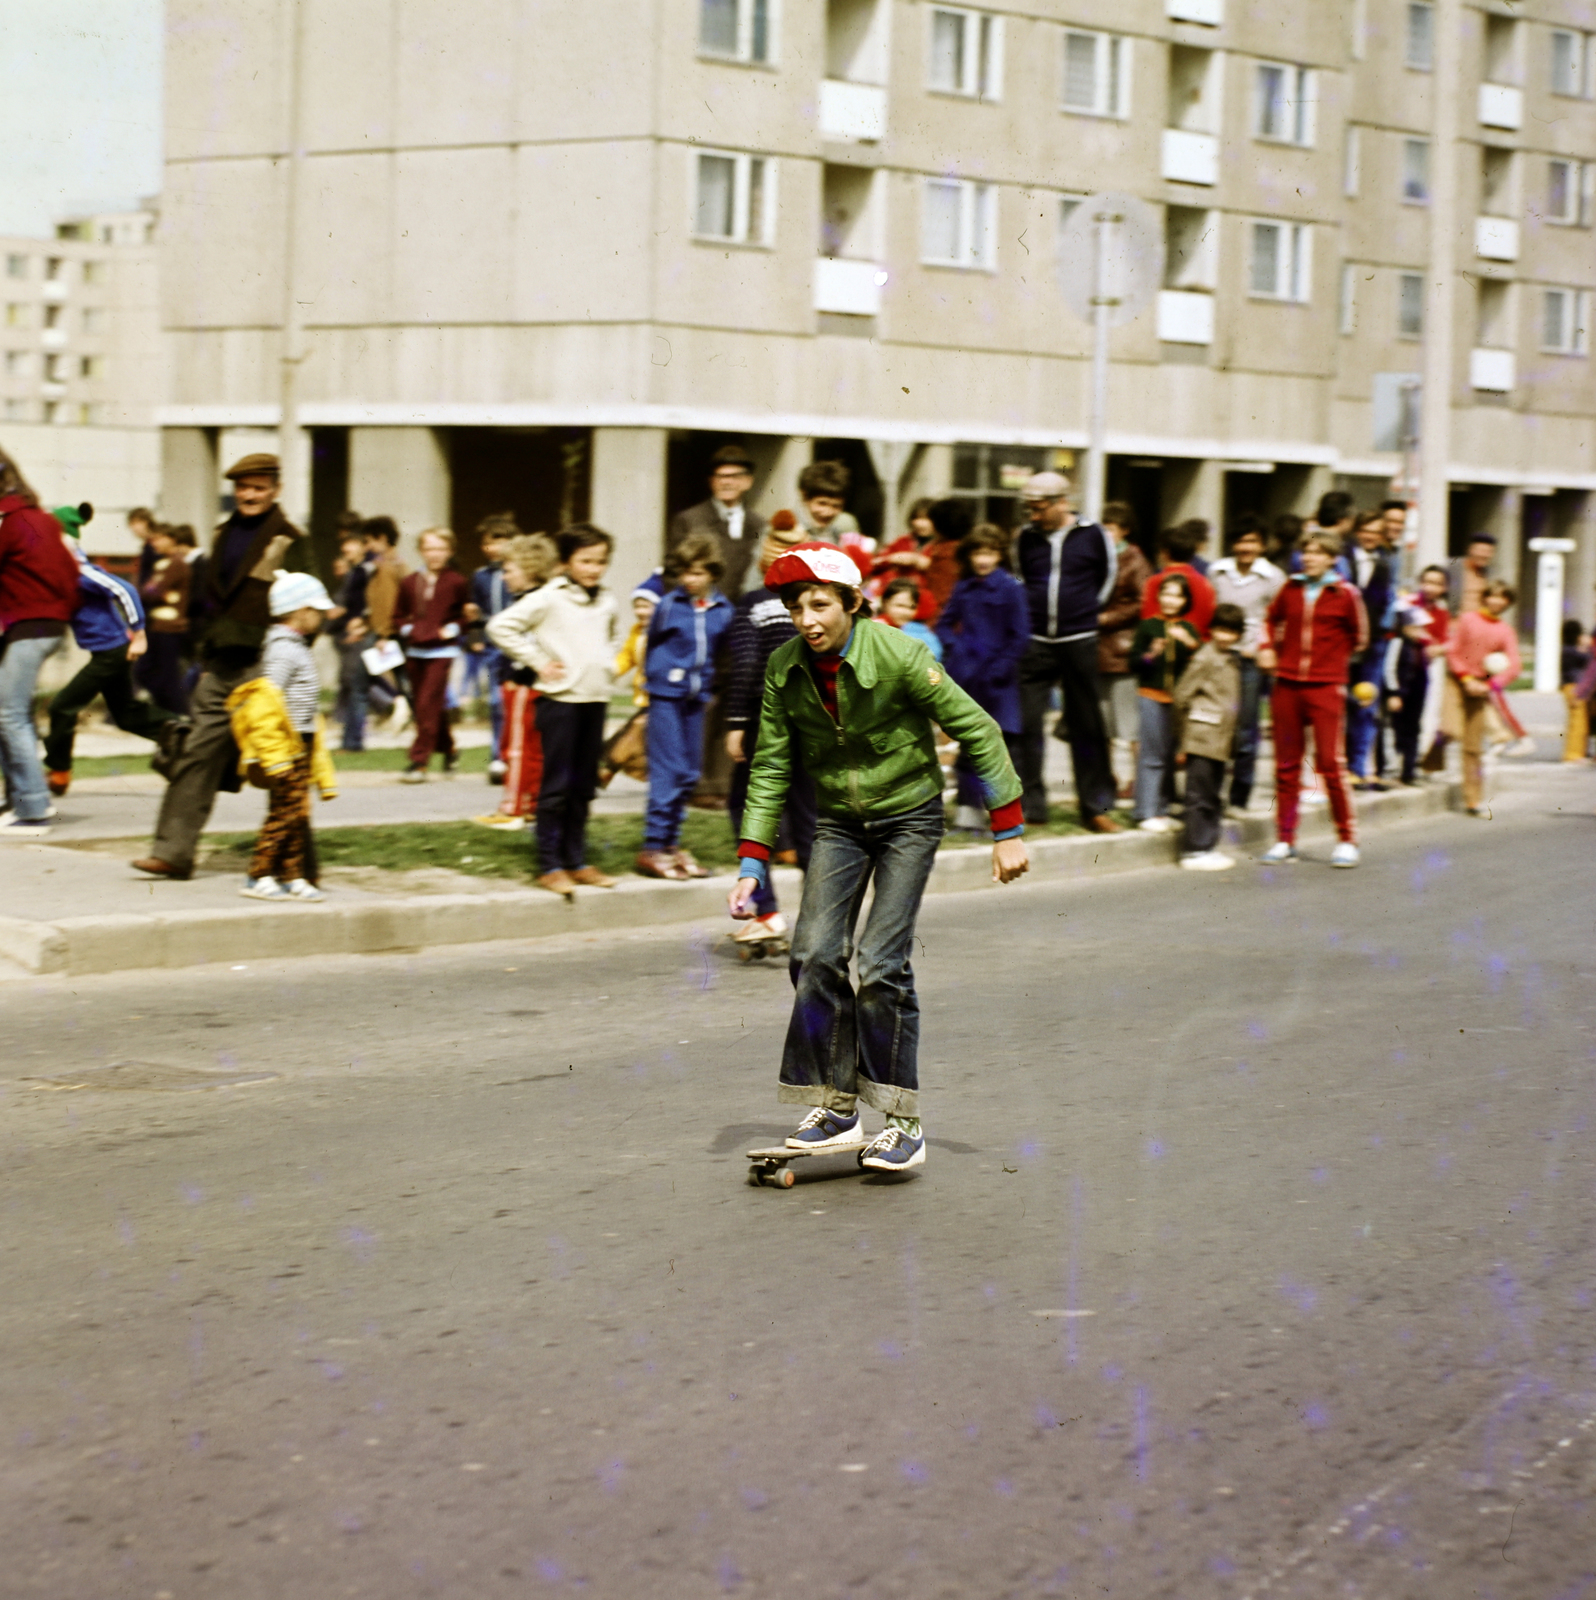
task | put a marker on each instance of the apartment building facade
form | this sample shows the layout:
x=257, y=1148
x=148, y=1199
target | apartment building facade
x=81, y=365
x=550, y=256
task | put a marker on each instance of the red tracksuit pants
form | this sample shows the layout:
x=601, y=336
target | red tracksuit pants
x=1323, y=708
x=522, y=748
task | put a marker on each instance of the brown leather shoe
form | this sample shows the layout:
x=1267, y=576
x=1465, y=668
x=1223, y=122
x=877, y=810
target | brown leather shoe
x=690, y=868
x=58, y=783
x=558, y=882
x=593, y=878
x=162, y=869
x=1104, y=824
x=659, y=864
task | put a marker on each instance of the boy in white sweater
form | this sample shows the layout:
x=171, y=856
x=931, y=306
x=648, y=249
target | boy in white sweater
x=565, y=632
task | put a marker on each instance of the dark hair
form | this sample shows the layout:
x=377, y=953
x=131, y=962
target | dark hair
x=696, y=550
x=1483, y=538
x=142, y=514
x=1229, y=617
x=580, y=536
x=1176, y=580
x=921, y=508
x=1122, y=515
x=1366, y=519
x=1572, y=629
x=731, y=455
x=384, y=528
x=852, y=599
x=499, y=525
x=179, y=533
x=1435, y=566
x=1393, y=505
x=345, y=522
x=951, y=518
x=984, y=536
x=1334, y=507
x=345, y=535
x=1183, y=542
x=1249, y=525
x=1285, y=530
x=1502, y=587
x=825, y=477
x=901, y=586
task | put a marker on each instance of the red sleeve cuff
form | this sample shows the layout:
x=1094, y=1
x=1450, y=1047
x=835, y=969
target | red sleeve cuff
x=756, y=852
x=1010, y=816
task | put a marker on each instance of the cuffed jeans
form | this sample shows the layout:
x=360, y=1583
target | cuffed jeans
x=844, y=1047
x=20, y=661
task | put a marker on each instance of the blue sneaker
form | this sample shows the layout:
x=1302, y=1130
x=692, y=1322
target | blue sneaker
x=893, y=1150
x=822, y=1129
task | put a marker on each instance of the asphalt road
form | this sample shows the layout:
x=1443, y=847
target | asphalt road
x=1254, y=1257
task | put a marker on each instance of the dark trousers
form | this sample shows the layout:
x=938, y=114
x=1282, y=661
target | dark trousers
x=160, y=672
x=798, y=818
x=354, y=692
x=675, y=751
x=573, y=740
x=844, y=1047
x=209, y=756
x=1412, y=687
x=104, y=676
x=1073, y=666
x=429, y=698
x=1205, y=788
x=1244, y=768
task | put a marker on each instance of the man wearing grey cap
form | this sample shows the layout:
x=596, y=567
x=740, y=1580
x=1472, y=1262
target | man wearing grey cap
x=1068, y=569
x=230, y=617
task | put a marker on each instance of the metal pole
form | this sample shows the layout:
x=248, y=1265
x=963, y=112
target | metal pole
x=1550, y=555
x=293, y=443
x=1102, y=304
x=1440, y=315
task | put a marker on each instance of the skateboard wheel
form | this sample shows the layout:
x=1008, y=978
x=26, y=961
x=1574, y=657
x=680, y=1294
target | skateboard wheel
x=786, y=1178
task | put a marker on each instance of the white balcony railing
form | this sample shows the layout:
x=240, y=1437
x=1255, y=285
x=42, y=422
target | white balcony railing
x=1496, y=238
x=1492, y=370
x=855, y=112
x=1210, y=11
x=53, y=289
x=1501, y=106
x=1185, y=317
x=850, y=288
x=1190, y=157
x=53, y=338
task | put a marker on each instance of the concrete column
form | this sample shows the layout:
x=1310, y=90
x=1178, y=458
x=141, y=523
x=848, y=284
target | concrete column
x=627, y=499
x=190, y=480
x=1194, y=489
x=1576, y=520
x=1505, y=519
x=401, y=473
x=779, y=460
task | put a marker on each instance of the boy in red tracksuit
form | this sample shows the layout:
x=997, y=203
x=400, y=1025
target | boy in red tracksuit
x=1313, y=629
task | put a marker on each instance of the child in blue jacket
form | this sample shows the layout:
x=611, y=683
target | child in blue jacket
x=679, y=670
x=985, y=628
x=109, y=624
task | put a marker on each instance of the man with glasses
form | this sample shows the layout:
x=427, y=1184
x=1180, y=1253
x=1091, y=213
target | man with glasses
x=738, y=531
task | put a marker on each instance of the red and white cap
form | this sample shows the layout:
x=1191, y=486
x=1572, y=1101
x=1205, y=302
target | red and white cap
x=813, y=562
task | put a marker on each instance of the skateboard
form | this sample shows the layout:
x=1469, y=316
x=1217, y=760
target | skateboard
x=770, y=1166
x=759, y=949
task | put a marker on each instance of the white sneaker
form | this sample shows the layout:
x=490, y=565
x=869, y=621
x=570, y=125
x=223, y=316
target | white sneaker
x=1207, y=861
x=1158, y=825
x=263, y=889
x=13, y=827
x=1278, y=852
x=762, y=929
x=304, y=889
x=1314, y=797
x=1525, y=747
x=1345, y=855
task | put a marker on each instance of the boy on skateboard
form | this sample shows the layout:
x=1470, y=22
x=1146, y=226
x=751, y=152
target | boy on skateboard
x=853, y=703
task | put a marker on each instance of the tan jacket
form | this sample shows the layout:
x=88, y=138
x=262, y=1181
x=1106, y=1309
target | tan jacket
x=1207, y=699
x=382, y=593
x=561, y=622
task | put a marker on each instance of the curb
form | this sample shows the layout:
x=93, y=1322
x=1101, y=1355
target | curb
x=86, y=945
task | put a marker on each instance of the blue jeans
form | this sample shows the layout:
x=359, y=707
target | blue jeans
x=841, y=1047
x=20, y=661
x=1153, y=757
x=1246, y=761
x=675, y=758
x=355, y=682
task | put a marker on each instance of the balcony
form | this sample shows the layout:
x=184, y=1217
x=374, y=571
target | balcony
x=1496, y=238
x=1501, y=106
x=53, y=338
x=1190, y=157
x=1492, y=370
x=1211, y=12
x=1185, y=317
x=848, y=288
x=854, y=113
x=53, y=289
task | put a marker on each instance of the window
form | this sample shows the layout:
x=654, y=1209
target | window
x=88, y=366
x=16, y=363
x=1283, y=103
x=1493, y=316
x=735, y=200
x=53, y=268
x=52, y=316
x=1562, y=191
x=1565, y=322
x=1410, y=305
x=94, y=272
x=93, y=319
x=1570, y=52
x=16, y=315
x=1282, y=261
x=1421, y=36
x=52, y=369
x=1068, y=205
x=52, y=411
x=16, y=410
x=84, y=414
x=738, y=30
x=1501, y=50
x=1097, y=74
x=959, y=224
x=967, y=53
x=16, y=266
x=1416, y=171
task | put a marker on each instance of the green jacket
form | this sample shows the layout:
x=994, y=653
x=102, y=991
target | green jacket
x=879, y=757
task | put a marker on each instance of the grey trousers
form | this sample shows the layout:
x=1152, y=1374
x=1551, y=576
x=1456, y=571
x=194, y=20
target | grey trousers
x=209, y=753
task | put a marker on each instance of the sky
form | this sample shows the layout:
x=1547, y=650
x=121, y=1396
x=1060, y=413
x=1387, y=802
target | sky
x=80, y=124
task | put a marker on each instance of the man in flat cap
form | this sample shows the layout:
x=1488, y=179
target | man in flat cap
x=230, y=616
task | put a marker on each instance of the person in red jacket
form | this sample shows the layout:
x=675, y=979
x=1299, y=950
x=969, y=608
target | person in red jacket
x=38, y=592
x=1312, y=630
x=429, y=619
x=1177, y=548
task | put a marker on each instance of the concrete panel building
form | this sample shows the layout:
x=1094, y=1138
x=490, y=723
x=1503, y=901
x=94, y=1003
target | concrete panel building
x=550, y=256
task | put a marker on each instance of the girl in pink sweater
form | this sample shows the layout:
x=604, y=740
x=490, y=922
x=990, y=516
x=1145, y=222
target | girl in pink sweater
x=1481, y=657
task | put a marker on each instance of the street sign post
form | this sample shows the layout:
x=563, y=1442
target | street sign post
x=1549, y=611
x=1111, y=263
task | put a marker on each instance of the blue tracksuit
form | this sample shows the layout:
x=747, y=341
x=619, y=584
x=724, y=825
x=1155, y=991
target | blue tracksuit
x=680, y=674
x=108, y=609
x=985, y=628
